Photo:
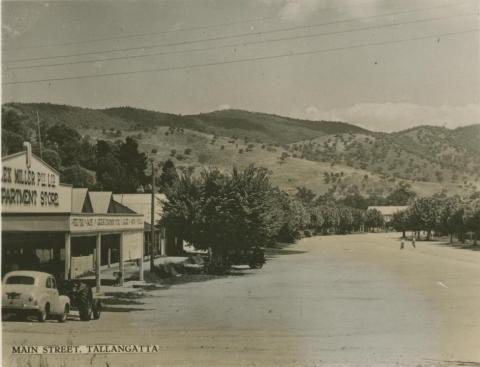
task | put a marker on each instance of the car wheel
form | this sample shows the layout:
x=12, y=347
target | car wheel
x=85, y=311
x=63, y=317
x=43, y=314
x=97, y=309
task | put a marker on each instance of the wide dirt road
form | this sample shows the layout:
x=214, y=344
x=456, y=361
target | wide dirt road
x=337, y=300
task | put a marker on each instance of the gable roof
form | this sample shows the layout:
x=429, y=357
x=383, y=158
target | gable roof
x=81, y=201
x=388, y=209
x=100, y=201
x=141, y=203
x=24, y=152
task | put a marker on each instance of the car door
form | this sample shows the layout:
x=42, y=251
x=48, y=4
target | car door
x=55, y=296
x=50, y=291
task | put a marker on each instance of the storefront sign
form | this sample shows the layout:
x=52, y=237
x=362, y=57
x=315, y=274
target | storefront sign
x=91, y=223
x=31, y=186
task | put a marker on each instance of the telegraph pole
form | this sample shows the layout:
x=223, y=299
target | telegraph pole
x=152, y=218
x=39, y=137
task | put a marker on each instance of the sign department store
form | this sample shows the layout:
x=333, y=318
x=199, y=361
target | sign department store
x=66, y=231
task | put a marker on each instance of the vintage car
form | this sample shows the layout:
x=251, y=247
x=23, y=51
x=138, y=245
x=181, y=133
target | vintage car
x=253, y=257
x=27, y=293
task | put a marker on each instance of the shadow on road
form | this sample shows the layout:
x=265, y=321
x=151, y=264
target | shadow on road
x=461, y=246
x=124, y=309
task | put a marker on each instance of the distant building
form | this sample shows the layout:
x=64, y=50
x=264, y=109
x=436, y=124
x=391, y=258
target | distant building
x=388, y=211
x=165, y=242
x=141, y=203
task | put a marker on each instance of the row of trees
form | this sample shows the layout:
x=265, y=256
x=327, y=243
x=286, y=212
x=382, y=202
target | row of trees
x=226, y=211
x=222, y=211
x=442, y=215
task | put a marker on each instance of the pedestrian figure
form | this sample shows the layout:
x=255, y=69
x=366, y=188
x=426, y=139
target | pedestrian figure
x=402, y=244
x=413, y=241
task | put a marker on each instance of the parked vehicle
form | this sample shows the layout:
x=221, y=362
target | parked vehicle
x=27, y=293
x=253, y=257
x=82, y=299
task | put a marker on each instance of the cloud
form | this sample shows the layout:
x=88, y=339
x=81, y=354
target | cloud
x=223, y=107
x=398, y=116
x=300, y=10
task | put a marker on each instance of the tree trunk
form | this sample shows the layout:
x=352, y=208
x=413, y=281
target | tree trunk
x=451, y=238
x=403, y=234
x=429, y=233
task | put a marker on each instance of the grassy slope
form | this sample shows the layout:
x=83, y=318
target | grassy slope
x=293, y=172
x=417, y=154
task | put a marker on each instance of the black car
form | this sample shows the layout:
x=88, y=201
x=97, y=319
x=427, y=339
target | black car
x=253, y=257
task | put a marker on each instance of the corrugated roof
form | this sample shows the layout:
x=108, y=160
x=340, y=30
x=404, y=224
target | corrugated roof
x=388, y=210
x=140, y=203
x=100, y=201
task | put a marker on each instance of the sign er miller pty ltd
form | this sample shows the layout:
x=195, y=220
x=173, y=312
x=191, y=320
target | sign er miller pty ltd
x=30, y=185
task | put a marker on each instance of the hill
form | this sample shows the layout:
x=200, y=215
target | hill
x=322, y=155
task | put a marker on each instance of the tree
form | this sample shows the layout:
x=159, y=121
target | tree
x=355, y=200
x=472, y=217
x=358, y=219
x=451, y=217
x=401, y=221
x=134, y=162
x=110, y=173
x=402, y=195
x=12, y=142
x=52, y=158
x=305, y=196
x=373, y=219
x=424, y=215
x=225, y=211
x=295, y=217
x=345, y=220
x=68, y=143
x=168, y=177
x=78, y=176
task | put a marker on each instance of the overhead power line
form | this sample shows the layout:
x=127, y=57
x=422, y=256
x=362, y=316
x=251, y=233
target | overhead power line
x=237, y=61
x=196, y=28
x=244, y=43
x=218, y=38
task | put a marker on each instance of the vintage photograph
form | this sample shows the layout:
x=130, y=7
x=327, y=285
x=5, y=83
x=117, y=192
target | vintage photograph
x=214, y=183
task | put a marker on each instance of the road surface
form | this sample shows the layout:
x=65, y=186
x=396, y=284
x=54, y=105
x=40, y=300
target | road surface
x=334, y=300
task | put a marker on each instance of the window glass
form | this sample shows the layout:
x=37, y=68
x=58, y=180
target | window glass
x=20, y=279
x=54, y=284
x=49, y=283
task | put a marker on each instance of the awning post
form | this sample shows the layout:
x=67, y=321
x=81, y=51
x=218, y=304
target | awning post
x=121, y=268
x=97, y=261
x=67, y=255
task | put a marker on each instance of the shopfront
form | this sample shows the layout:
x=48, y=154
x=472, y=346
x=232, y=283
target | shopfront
x=68, y=232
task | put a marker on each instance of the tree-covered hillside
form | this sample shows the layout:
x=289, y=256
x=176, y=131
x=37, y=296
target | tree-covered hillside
x=333, y=157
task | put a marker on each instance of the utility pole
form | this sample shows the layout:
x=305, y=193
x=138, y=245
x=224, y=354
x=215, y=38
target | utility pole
x=152, y=220
x=39, y=136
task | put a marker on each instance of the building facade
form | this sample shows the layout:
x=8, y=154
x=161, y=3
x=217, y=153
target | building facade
x=53, y=227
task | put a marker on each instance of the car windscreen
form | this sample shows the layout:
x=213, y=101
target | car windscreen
x=20, y=279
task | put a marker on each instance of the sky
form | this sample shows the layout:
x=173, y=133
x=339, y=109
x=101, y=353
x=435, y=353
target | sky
x=385, y=65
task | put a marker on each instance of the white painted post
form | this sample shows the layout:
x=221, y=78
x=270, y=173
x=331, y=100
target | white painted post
x=67, y=255
x=98, y=256
x=121, y=268
x=140, y=265
x=163, y=242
